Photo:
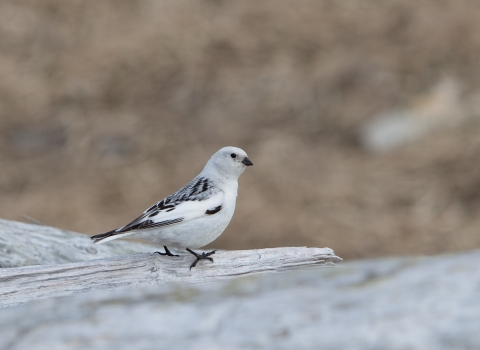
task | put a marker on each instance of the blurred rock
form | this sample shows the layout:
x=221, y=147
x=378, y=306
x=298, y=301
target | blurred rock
x=396, y=304
x=440, y=107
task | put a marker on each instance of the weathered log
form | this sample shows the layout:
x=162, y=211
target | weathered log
x=25, y=245
x=24, y=284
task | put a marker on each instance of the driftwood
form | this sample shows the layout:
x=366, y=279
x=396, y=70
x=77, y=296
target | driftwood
x=20, y=285
x=25, y=244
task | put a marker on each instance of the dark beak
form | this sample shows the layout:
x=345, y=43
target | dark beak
x=247, y=161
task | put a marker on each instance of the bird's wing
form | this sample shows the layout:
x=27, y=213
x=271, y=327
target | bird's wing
x=197, y=199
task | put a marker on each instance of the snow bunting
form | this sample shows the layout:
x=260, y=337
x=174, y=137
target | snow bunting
x=196, y=214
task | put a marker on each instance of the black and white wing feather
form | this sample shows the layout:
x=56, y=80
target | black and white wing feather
x=197, y=199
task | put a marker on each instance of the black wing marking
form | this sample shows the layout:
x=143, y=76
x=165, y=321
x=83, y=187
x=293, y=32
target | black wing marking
x=199, y=189
x=213, y=210
x=151, y=224
x=102, y=236
x=141, y=226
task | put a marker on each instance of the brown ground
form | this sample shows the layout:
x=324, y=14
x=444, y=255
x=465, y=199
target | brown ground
x=107, y=106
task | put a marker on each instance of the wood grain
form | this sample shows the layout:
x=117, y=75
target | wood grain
x=24, y=284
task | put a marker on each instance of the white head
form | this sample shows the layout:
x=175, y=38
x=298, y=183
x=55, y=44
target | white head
x=229, y=162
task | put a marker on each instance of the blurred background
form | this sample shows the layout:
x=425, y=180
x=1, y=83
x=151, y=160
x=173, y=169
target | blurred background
x=361, y=117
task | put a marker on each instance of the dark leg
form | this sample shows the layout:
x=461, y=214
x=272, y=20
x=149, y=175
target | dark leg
x=203, y=256
x=167, y=252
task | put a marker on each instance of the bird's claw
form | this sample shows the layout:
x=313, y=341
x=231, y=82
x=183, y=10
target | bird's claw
x=203, y=256
x=167, y=252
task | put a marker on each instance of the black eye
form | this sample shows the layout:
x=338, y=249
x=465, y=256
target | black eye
x=233, y=155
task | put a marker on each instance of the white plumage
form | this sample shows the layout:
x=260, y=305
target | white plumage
x=196, y=214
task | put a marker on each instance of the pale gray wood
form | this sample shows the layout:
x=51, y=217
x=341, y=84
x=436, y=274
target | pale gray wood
x=26, y=244
x=24, y=284
x=396, y=304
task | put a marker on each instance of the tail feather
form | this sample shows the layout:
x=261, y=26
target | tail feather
x=103, y=237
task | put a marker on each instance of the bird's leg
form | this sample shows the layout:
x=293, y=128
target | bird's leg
x=202, y=256
x=167, y=252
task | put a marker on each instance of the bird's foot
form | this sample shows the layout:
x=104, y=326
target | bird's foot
x=167, y=252
x=203, y=256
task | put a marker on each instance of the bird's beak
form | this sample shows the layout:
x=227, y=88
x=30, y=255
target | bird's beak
x=247, y=161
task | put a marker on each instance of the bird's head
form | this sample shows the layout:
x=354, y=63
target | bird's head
x=229, y=162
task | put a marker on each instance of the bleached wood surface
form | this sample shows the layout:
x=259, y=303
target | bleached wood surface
x=51, y=250
x=24, y=244
x=24, y=284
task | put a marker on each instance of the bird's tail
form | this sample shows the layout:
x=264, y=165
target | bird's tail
x=107, y=236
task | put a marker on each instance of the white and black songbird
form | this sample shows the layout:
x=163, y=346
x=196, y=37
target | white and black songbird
x=196, y=214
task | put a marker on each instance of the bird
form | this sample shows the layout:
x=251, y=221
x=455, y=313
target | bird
x=196, y=214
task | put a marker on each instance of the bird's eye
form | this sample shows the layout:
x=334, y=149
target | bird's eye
x=233, y=155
